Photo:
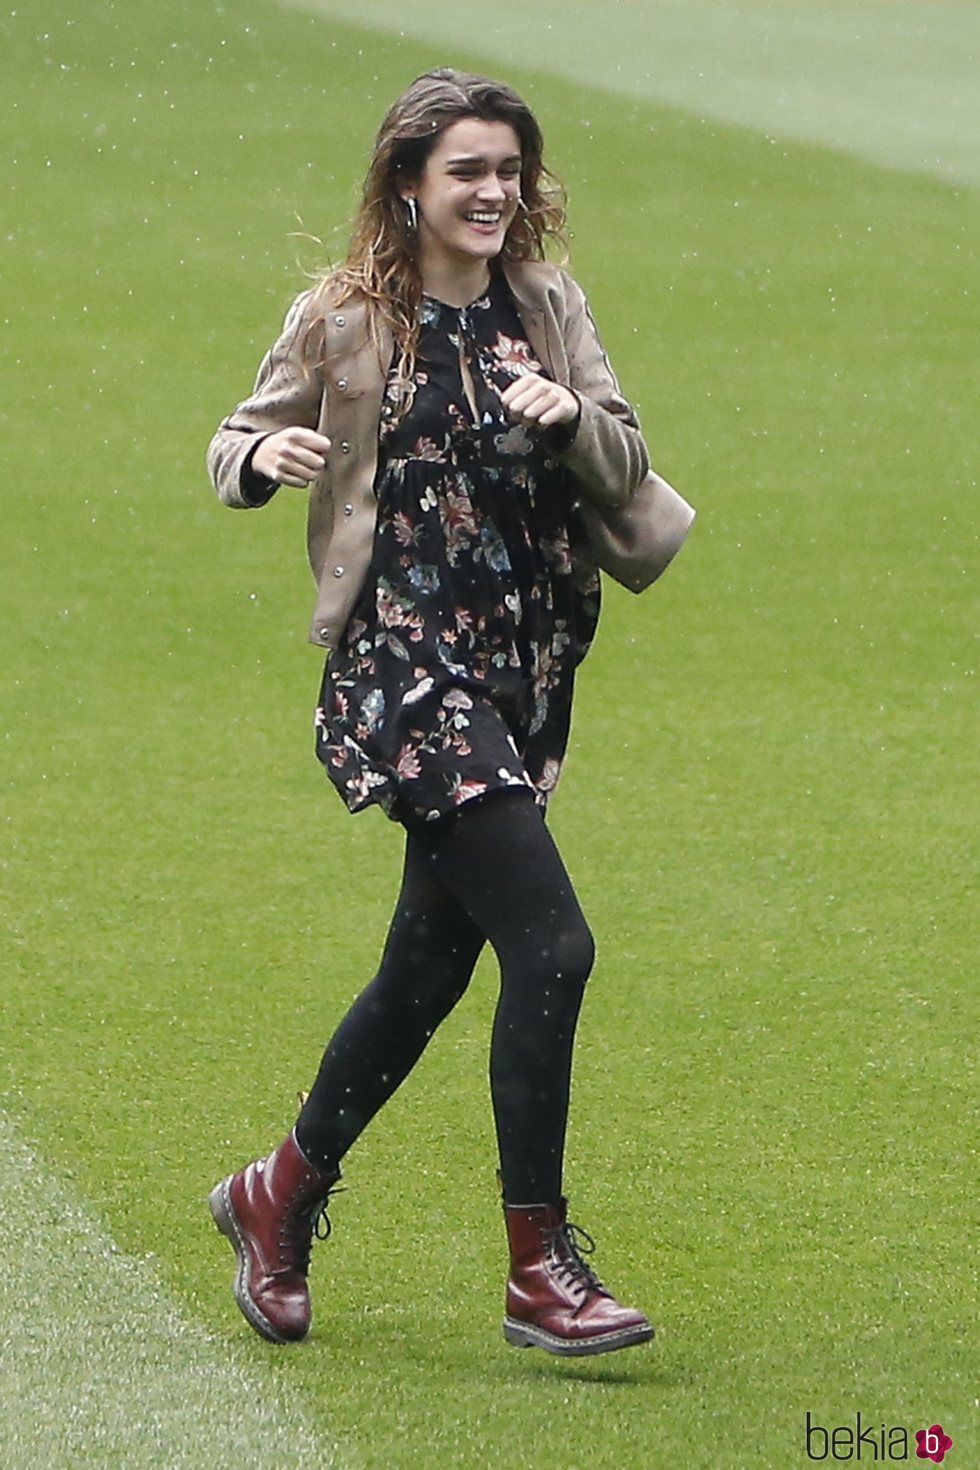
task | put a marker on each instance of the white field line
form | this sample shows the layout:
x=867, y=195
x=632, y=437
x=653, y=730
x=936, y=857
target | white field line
x=98, y=1368
x=892, y=81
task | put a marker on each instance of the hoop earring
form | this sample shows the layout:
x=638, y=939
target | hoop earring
x=412, y=206
x=522, y=205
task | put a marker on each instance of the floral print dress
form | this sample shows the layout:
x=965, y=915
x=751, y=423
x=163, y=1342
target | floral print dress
x=454, y=675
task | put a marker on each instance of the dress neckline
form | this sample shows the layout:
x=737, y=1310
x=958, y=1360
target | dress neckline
x=467, y=306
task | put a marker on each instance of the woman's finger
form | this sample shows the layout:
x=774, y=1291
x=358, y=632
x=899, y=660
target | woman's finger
x=530, y=400
x=522, y=390
x=304, y=459
x=308, y=439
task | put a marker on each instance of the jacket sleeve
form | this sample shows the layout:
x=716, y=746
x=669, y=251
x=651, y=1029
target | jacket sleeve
x=607, y=454
x=287, y=392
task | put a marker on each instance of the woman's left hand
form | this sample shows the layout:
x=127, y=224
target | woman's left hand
x=538, y=402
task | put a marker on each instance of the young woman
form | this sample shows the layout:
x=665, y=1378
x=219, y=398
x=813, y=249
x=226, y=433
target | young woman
x=445, y=398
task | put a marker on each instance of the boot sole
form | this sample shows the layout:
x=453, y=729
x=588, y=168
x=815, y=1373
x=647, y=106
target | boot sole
x=525, y=1335
x=223, y=1214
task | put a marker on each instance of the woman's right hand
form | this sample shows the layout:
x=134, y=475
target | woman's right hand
x=292, y=456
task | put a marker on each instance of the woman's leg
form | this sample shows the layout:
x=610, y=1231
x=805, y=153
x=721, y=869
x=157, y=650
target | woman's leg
x=269, y=1209
x=499, y=861
x=429, y=956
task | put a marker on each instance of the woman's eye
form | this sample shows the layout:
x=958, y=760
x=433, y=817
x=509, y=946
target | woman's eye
x=468, y=174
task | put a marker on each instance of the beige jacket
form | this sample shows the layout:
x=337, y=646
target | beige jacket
x=326, y=373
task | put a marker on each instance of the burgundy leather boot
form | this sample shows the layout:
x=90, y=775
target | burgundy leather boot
x=269, y=1211
x=554, y=1299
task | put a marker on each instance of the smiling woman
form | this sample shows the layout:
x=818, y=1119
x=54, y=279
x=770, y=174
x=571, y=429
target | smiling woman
x=466, y=198
x=447, y=400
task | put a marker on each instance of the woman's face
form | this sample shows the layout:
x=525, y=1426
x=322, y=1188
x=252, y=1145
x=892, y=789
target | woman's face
x=468, y=192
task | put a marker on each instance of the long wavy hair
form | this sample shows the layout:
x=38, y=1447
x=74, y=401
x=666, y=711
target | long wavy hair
x=382, y=259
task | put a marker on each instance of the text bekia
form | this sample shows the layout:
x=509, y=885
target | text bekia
x=873, y=1442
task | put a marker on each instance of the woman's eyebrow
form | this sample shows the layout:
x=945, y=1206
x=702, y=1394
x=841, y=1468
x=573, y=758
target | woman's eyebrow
x=479, y=158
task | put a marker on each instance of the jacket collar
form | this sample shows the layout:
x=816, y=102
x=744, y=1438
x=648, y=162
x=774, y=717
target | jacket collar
x=349, y=323
x=525, y=284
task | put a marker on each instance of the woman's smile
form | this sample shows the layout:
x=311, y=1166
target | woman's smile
x=484, y=220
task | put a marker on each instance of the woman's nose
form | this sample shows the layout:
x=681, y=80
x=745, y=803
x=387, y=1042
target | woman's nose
x=492, y=190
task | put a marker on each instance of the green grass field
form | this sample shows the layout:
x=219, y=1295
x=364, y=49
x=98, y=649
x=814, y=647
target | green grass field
x=770, y=809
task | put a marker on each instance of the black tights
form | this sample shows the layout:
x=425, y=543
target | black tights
x=490, y=871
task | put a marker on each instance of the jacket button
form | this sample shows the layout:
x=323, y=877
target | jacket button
x=348, y=510
x=324, y=635
x=344, y=447
x=342, y=384
x=338, y=571
x=341, y=321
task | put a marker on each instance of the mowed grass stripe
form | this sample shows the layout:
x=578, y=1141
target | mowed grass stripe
x=892, y=81
x=99, y=1368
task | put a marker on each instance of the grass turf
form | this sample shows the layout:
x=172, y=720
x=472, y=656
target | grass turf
x=97, y=1350
x=768, y=809
x=889, y=80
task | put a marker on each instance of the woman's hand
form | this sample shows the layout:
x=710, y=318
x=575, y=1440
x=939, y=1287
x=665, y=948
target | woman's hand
x=293, y=456
x=537, y=402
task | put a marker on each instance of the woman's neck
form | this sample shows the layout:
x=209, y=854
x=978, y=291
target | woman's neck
x=456, y=285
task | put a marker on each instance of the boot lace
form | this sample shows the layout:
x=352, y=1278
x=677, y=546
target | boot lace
x=300, y=1227
x=567, y=1245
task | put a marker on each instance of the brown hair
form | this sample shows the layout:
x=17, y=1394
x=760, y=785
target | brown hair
x=382, y=262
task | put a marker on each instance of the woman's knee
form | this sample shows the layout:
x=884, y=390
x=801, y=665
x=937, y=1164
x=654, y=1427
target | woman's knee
x=566, y=955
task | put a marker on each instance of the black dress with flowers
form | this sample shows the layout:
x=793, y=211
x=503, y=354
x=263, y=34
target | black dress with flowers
x=454, y=674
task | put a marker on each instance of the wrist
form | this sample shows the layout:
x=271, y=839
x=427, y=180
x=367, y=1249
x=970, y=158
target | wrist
x=256, y=487
x=560, y=437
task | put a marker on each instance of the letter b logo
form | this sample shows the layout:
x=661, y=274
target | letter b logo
x=817, y=1440
x=934, y=1443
